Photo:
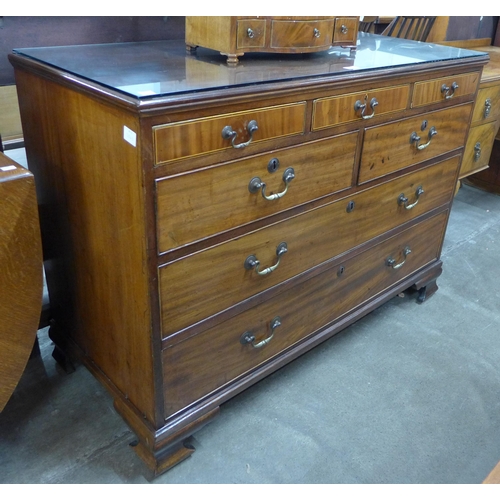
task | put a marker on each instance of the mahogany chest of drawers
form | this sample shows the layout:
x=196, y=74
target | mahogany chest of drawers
x=203, y=224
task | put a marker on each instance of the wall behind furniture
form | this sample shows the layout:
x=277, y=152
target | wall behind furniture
x=45, y=31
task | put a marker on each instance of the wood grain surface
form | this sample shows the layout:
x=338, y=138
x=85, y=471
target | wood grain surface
x=21, y=273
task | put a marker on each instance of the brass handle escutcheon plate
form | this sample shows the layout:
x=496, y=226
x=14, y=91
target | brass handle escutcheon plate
x=359, y=106
x=445, y=90
x=229, y=133
x=257, y=184
x=249, y=338
x=415, y=138
x=392, y=262
x=403, y=200
x=251, y=262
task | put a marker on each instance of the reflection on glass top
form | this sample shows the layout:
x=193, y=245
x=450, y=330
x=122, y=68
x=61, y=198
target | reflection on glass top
x=154, y=69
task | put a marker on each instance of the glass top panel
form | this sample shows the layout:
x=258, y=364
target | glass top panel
x=155, y=69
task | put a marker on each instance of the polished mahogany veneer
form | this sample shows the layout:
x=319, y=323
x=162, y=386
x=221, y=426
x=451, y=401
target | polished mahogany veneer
x=205, y=224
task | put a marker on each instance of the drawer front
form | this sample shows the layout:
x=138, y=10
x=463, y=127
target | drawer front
x=487, y=106
x=478, y=150
x=203, y=363
x=331, y=111
x=346, y=30
x=193, y=206
x=443, y=89
x=251, y=33
x=394, y=146
x=301, y=34
x=200, y=285
x=202, y=136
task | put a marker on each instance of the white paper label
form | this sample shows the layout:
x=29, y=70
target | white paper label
x=7, y=168
x=130, y=136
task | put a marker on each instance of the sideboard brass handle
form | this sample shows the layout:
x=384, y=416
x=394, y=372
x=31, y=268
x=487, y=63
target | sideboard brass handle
x=415, y=138
x=229, y=133
x=344, y=29
x=477, y=151
x=317, y=33
x=250, y=33
x=249, y=338
x=403, y=200
x=358, y=105
x=251, y=262
x=487, y=107
x=445, y=89
x=256, y=184
x=392, y=262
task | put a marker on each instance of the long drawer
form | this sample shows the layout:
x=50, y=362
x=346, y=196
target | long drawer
x=174, y=141
x=202, y=284
x=400, y=144
x=203, y=363
x=193, y=206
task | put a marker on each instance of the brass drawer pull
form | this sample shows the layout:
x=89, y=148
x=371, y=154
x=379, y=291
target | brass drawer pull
x=358, y=105
x=487, y=107
x=415, y=138
x=256, y=184
x=403, y=200
x=251, y=262
x=445, y=89
x=344, y=29
x=249, y=338
x=392, y=262
x=250, y=33
x=317, y=33
x=477, y=151
x=229, y=133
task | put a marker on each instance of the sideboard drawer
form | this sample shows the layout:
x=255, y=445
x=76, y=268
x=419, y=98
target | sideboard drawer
x=193, y=206
x=394, y=146
x=487, y=107
x=330, y=111
x=201, y=364
x=202, y=284
x=442, y=89
x=295, y=34
x=189, y=138
x=478, y=149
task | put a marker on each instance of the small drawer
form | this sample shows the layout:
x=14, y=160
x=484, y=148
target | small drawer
x=487, y=107
x=331, y=111
x=205, y=283
x=202, y=136
x=479, y=146
x=444, y=89
x=301, y=34
x=251, y=33
x=206, y=362
x=346, y=30
x=397, y=145
x=193, y=206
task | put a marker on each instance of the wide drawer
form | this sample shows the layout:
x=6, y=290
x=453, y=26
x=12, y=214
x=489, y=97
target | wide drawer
x=301, y=34
x=192, y=206
x=203, y=363
x=487, y=107
x=189, y=138
x=479, y=146
x=446, y=88
x=330, y=111
x=400, y=144
x=210, y=281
